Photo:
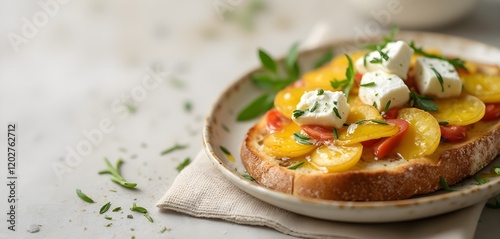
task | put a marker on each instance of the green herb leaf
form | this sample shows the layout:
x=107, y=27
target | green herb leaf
x=295, y=166
x=297, y=113
x=164, y=229
x=336, y=111
x=266, y=61
x=496, y=169
x=367, y=84
x=327, y=57
x=131, y=107
x=174, y=148
x=270, y=82
x=321, y=92
x=115, y=171
x=83, y=196
x=375, y=104
x=314, y=107
x=224, y=150
x=387, y=105
x=371, y=120
x=445, y=186
x=456, y=62
x=291, y=60
x=148, y=217
x=109, y=224
x=247, y=176
x=107, y=217
x=335, y=133
x=302, y=139
x=136, y=208
x=188, y=106
x=423, y=102
x=443, y=123
x=481, y=180
x=117, y=209
x=105, y=208
x=337, y=84
x=257, y=107
x=439, y=77
x=183, y=164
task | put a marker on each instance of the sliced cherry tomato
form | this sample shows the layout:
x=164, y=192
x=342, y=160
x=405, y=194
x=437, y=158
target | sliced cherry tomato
x=358, y=77
x=370, y=142
x=318, y=132
x=275, y=120
x=392, y=113
x=453, y=133
x=492, y=112
x=385, y=146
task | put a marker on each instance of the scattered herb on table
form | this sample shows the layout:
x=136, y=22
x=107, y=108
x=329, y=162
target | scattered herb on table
x=188, y=106
x=83, y=196
x=105, y=208
x=108, y=217
x=183, y=164
x=109, y=224
x=173, y=148
x=115, y=171
x=148, y=217
x=136, y=208
x=131, y=107
x=117, y=209
x=164, y=229
x=271, y=80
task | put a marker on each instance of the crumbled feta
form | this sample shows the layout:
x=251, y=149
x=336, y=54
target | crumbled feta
x=399, y=58
x=328, y=109
x=428, y=82
x=377, y=88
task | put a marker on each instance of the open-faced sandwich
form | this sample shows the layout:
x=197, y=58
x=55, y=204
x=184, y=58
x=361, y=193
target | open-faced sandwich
x=383, y=124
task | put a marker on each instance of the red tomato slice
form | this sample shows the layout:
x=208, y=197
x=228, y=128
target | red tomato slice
x=370, y=142
x=357, y=78
x=275, y=120
x=492, y=111
x=392, y=113
x=318, y=132
x=385, y=146
x=453, y=133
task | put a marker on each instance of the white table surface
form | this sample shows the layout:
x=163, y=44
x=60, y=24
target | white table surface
x=92, y=54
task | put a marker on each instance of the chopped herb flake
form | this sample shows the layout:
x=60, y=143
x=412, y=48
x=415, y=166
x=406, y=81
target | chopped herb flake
x=445, y=186
x=148, y=217
x=443, y=123
x=439, y=77
x=297, y=113
x=247, y=176
x=107, y=217
x=335, y=133
x=314, y=107
x=321, y=92
x=367, y=84
x=336, y=111
x=109, y=224
x=116, y=209
x=302, y=139
x=173, y=148
x=224, y=150
x=115, y=171
x=183, y=164
x=136, y=208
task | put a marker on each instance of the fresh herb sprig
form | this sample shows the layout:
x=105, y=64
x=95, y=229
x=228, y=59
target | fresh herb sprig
x=271, y=80
x=347, y=83
x=173, y=148
x=302, y=139
x=136, y=208
x=456, y=62
x=115, y=171
x=423, y=102
x=183, y=164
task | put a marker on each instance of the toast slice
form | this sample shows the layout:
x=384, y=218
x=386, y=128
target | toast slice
x=375, y=180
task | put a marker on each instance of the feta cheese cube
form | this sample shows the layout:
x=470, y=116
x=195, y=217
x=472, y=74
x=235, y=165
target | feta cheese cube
x=428, y=82
x=377, y=88
x=326, y=109
x=399, y=58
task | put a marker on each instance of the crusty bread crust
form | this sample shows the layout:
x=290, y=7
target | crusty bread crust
x=388, y=179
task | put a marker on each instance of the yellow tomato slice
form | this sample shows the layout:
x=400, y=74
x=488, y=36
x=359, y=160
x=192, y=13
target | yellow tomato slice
x=336, y=158
x=463, y=110
x=357, y=133
x=287, y=99
x=362, y=112
x=484, y=87
x=335, y=70
x=423, y=135
x=283, y=144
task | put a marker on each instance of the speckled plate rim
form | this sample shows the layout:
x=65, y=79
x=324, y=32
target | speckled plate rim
x=399, y=210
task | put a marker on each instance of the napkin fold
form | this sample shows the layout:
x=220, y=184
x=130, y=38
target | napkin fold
x=200, y=190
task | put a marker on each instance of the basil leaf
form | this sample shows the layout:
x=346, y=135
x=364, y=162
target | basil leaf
x=266, y=61
x=268, y=82
x=423, y=102
x=257, y=107
x=327, y=57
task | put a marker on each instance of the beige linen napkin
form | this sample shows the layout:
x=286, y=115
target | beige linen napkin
x=200, y=190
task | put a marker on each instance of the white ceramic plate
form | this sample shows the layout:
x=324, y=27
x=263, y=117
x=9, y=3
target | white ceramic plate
x=222, y=129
